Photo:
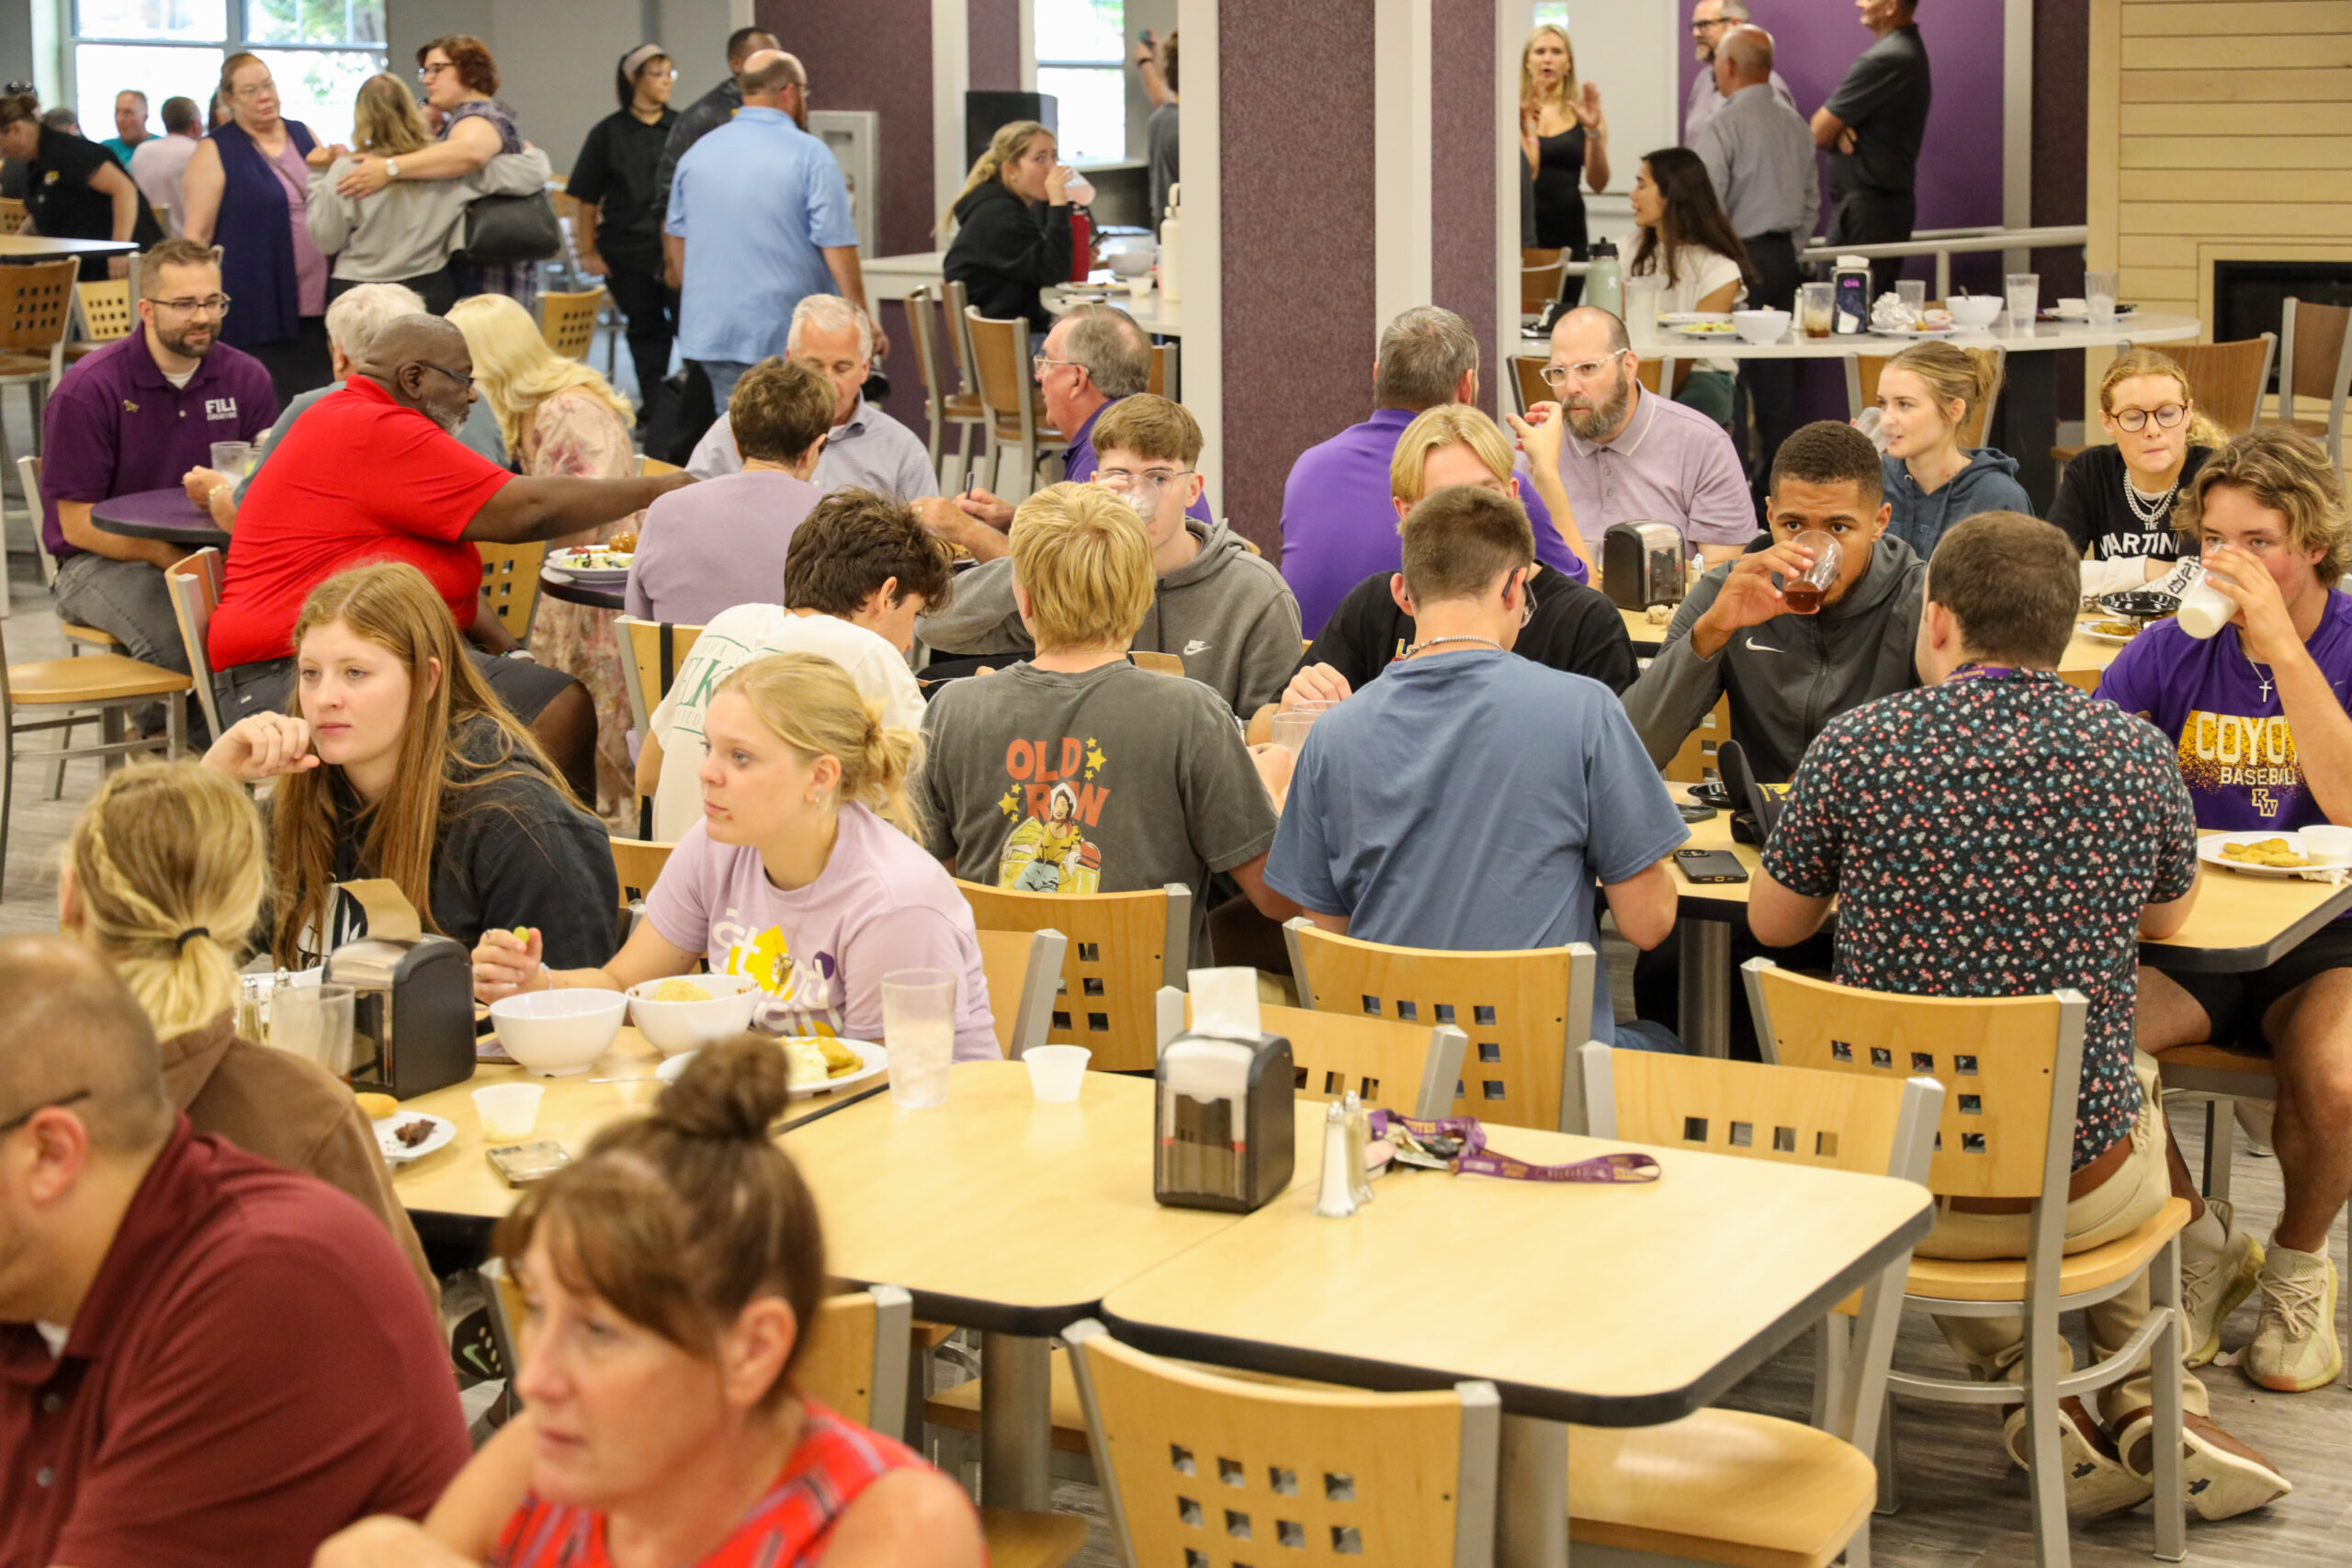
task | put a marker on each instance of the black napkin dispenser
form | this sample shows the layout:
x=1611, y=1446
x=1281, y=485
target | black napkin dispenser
x=1223, y=1127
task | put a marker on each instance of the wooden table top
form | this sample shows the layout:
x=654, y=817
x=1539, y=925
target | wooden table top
x=2083, y=654
x=1611, y=1306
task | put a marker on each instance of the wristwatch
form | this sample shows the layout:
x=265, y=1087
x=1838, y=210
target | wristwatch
x=392, y=168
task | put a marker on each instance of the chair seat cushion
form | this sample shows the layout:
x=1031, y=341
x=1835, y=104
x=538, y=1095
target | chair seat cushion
x=2003, y=1279
x=1719, y=1486
x=93, y=678
x=24, y=364
x=965, y=405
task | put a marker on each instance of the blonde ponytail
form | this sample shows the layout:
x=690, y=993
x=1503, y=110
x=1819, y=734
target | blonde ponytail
x=810, y=702
x=170, y=866
x=1005, y=147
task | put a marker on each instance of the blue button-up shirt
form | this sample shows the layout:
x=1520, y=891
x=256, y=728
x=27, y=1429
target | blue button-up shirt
x=758, y=201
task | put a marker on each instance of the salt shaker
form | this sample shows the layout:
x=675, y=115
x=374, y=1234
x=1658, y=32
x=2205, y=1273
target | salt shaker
x=1359, y=1147
x=1337, y=1197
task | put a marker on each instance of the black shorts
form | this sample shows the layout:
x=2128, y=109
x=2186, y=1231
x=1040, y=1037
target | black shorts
x=526, y=688
x=2234, y=1004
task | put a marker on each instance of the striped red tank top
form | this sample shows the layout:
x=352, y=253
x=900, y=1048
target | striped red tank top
x=788, y=1528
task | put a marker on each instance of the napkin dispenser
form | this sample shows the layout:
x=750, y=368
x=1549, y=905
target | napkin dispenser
x=1642, y=564
x=1223, y=1126
x=413, y=1002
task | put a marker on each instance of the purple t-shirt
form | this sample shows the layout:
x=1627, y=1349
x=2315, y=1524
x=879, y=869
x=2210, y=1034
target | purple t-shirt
x=2236, y=748
x=881, y=904
x=1340, y=526
x=716, y=545
x=1079, y=463
x=115, y=426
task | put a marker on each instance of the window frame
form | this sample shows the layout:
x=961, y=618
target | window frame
x=1038, y=63
x=238, y=39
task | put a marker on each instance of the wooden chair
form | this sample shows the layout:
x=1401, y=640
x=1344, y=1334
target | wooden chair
x=193, y=583
x=2315, y=361
x=1121, y=948
x=2227, y=379
x=1522, y=1013
x=569, y=321
x=13, y=216
x=651, y=654
x=945, y=402
x=103, y=313
x=1166, y=368
x=1157, y=663
x=2221, y=1076
x=1193, y=1463
x=2011, y=1067
x=1541, y=272
x=510, y=584
x=1390, y=1065
x=1696, y=760
x=28, y=478
x=1025, y=972
x=653, y=467
x=36, y=308
x=1725, y=1486
x=1862, y=387
x=1000, y=354
x=636, y=866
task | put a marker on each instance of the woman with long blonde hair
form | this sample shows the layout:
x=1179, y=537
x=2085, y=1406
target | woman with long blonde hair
x=407, y=231
x=165, y=871
x=561, y=420
x=1925, y=395
x=397, y=760
x=2117, y=498
x=801, y=873
x=1562, y=134
x=1012, y=223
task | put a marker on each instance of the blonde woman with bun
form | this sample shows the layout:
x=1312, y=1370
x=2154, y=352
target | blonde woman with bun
x=1562, y=134
x=165, y=871
x=1925, y=395
x=1011, y=222
x=801, y=873
x=561, y=420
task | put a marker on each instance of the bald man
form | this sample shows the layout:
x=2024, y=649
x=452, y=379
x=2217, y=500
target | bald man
x=204, y=1358
x=710, y=111
x=374, y=472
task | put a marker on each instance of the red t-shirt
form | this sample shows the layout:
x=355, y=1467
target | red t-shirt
x=255, y=1368
x=357, y=478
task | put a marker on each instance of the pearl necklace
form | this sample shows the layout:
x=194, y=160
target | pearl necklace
x=2148, y=510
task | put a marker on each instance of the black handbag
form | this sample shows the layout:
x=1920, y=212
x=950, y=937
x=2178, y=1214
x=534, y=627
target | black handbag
x=511, y=229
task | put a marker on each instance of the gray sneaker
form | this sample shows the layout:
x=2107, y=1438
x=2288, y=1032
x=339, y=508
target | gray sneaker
x=2212, y=1283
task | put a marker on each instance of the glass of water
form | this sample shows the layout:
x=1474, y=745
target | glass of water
x=2098, y=296
x=919, y=1029
x=232, y=459
x=2025, y=300
x=314, y=1023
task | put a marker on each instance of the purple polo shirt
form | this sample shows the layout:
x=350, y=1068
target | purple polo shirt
x=1340, y=526
x=115, y=426
x=1670, y=464
x=1079, y=463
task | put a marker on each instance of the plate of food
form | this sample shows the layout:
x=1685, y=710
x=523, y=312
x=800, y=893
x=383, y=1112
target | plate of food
x=2272, y=854
x=2118, y=632
x=2140, y=604
x=1718, y=330
x=1693, y=318
x=596, y=564
x=406, y=1135
x=1917, y=329
x=814, y=1065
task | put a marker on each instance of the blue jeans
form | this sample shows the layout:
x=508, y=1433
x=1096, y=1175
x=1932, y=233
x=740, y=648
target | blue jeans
x=1640, y=1034
x=723, y=374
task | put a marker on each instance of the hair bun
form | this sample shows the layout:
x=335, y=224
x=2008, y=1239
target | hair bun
x=734, y=1090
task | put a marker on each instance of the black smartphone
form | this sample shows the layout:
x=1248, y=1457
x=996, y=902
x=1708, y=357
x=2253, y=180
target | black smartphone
x=1711, y=865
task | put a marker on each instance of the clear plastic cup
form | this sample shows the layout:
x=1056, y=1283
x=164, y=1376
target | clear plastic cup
x=1056, y=1072
x=233, y=458
x=2024, y=294
x=2331, y=843
x=314, y=1023
x=918, y=1030
x=1913, y=292
x=1642, y=299
x=1290, y=730
x=1817, y=307
x=2099, y=297
x=509, y=1109
x=1805, y=595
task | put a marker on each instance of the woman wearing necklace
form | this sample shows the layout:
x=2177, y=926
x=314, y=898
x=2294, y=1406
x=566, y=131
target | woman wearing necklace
x=2116, y=502
x=1925, y=395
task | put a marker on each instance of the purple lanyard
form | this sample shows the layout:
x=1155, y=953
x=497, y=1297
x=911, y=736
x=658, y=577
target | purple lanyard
x=1984, y=672
x=1458, y=1144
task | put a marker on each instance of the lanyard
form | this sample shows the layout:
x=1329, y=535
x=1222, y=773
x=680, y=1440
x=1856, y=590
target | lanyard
x=1458, y=1144
x=1984, y=672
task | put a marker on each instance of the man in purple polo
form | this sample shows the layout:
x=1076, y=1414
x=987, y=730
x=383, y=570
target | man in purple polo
x=1339, y=525
x=137, y=415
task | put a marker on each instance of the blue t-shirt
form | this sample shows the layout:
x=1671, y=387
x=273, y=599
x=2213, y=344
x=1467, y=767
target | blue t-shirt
x=758, y=202
x=1466, y=802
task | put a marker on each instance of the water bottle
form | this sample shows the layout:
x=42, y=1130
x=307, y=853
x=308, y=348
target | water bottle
x=1172, y=248
x=1604, y=286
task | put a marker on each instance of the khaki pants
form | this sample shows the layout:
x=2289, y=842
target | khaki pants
x=1994, y=1346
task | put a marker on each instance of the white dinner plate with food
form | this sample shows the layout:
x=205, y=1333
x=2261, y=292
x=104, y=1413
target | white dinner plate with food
x=2116, y=632
x=1915, y=329
x=1708, y=332
x=2276, y=853
x=873, y=1062
x=442, y=1132
x=1693, y=318
x=591, y=566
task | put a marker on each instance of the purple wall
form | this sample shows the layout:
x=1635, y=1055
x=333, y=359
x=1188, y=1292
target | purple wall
x=1462, y=169
x=995, y=45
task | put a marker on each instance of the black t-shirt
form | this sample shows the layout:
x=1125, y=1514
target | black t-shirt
x=1574, y=629
x=2093, y=511
x=61, y=201
x=615, y=172
x=1884, y=98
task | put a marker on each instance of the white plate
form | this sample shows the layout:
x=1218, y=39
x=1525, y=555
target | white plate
x=569, y=563
x=1917, y=332
x=397, y=1153
x=877, y=1062
x=1703, y=332
x=1687, y=317
x=2096, y=635
x=2209, y=849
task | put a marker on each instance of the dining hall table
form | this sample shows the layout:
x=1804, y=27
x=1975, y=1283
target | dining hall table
x=166, y=514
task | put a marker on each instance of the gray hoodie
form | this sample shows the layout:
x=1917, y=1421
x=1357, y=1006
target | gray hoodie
x=1226, y=613
x=1989, y=483
x=1790, y=676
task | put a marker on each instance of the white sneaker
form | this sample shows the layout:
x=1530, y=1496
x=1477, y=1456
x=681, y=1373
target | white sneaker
x=2294, y=1347
x=2253, y=1118
x=2213, y=1280
x=2223, y=1477
x=2097, y=1482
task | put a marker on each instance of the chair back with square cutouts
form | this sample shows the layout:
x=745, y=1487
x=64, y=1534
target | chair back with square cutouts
x=1522, y=1013
x=1201, y=1469
x=106, y=307
x=1751, y=1111
x=653, y=651
x=1403, y=1067
x=568, y=322
x=36, y=303
x=2011, y=1067
x=1121, y=948
x=510, y=584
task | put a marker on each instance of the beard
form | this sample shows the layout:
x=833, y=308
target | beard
x=191, y=342
x=1594, y=420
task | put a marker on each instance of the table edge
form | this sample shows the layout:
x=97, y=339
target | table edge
x=2244, y=959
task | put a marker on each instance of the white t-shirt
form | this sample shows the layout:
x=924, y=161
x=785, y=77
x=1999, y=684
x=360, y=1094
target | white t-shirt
x=732, y=639
x=1699, y=272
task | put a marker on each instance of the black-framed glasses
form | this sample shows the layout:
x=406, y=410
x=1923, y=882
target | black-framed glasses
x=2168, y=416
x=1555, y=376
x=210, y=305
x=461, y=380
x=1704, y=27
x=13, y=1123
x=427, y=72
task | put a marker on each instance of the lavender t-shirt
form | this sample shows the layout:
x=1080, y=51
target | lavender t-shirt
x=882, y=903
x=2236, y=748
x=716, y=545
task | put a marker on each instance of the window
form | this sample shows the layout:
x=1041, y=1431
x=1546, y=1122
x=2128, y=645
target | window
x=319, y=51
x=1082, y=60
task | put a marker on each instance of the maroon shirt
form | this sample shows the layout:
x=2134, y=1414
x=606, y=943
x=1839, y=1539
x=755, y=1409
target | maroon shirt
x=254, y=1368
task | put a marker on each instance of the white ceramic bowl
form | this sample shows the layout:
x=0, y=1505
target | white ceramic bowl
x=1761, y=326
x=1132, y=259
x=1973, y=309
x=672, y=1027
x=556, y=1032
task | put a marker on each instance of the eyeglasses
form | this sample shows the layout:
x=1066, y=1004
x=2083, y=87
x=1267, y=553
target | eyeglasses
x=210, y=305
x=428, y=365
x=1557, y=375
x=2168, y=416
x=13, y=1123
x=1143, y=489
x=427, y=72
x=254, y=89
x=1708, y=26
x=1038, y=362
